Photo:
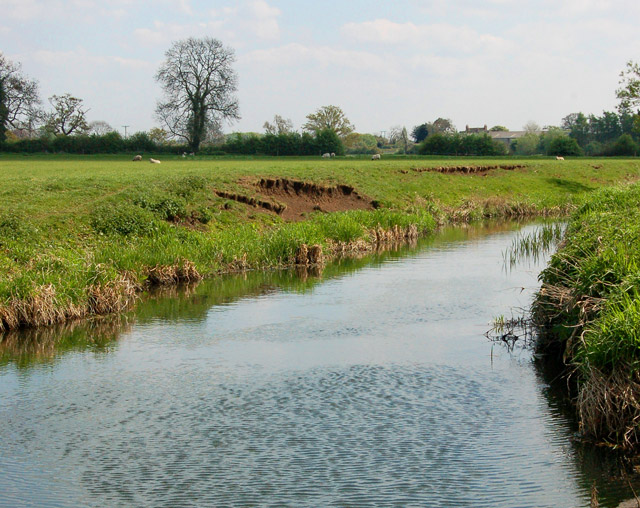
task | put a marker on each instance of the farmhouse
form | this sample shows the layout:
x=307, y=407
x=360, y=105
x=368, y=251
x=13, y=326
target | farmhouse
x=506, y=137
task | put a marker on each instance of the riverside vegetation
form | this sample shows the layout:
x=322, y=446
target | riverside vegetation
x=84, y=235
x=589, y=311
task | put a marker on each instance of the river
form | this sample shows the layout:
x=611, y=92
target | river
x=369, y=384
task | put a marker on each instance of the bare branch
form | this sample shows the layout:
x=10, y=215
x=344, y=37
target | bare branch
x=199, y=87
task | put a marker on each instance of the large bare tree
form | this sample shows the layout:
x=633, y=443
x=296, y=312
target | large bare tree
x=199, y=86
x=18, y=96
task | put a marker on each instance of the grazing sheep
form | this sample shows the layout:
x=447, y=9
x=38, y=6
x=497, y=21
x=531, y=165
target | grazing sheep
x=375, y=157
x=137, y=158
x=559, y=158
x=326, y=155
x=154, y=161
x=333, y=154
x=184, y=154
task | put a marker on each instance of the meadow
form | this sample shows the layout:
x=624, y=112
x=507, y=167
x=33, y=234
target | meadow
x=83, y=235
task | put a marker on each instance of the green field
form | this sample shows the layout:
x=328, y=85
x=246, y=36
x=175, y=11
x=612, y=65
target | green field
x=82, y=235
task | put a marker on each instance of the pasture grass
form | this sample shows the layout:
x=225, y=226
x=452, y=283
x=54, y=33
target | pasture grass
x=84, y=234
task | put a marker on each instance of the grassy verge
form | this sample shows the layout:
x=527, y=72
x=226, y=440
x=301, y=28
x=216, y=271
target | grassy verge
x=83, y=235
x=589, y=308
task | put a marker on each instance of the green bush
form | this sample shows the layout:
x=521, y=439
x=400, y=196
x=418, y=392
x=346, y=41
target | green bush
x=564, y=145
x=624, y=145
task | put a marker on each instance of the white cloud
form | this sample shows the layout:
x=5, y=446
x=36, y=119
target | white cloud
x=21, y=9
x=444, y=36
x=81, y=59
x=263, y=19
x=298, y=55
x=255, y=18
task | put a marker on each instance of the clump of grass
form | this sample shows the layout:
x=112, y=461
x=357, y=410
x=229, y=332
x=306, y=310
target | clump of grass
x=182, y=271
x=121, y=219
x=13, y=227
x=187, y=186
x=163, y=204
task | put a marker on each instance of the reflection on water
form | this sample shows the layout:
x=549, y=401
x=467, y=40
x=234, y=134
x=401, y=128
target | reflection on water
x=368, y=384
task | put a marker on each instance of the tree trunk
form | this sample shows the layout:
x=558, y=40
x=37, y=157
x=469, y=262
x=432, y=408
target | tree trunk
x=4, y=113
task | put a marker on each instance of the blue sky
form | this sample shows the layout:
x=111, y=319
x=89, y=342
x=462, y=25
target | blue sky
x=384, y=63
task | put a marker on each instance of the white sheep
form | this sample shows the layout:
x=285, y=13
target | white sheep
x=333, y=154
x=326, y=155
x=154, y=161
x=137, y=158
x=559, y=158
x=375, y=157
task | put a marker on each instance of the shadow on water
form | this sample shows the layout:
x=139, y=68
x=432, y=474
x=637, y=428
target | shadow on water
x=608, y=469
x=26, y=348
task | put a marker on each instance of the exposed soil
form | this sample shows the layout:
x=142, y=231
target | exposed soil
x=292, y=199
x=468, y=169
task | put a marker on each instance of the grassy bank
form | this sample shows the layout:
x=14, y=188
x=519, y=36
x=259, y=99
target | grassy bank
x=589, y=308
x=83, y=235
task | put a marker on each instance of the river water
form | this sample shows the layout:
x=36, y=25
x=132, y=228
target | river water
x=370, y=384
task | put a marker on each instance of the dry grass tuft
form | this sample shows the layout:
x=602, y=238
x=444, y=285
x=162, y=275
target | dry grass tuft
x=309, y=255
x=394, y=234
x=41, y=309
x=114, y=296
x=609, y=406
x=182, y=271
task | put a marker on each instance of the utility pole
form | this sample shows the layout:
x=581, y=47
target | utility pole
x=125, y=131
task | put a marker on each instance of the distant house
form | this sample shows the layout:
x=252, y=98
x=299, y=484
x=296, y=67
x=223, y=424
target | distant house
x=475, y=130
x=506, y=137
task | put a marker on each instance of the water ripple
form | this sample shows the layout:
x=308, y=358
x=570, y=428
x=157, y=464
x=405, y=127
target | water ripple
x=398, y=435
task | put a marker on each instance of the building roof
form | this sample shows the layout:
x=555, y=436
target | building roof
x=506, y=134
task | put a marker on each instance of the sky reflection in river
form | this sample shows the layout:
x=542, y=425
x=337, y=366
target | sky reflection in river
x=371, y=385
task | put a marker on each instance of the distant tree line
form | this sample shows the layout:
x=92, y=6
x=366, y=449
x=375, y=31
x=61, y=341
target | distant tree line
x=608, y=134
x=461, y=144
x=199, y=85
x=239, y=144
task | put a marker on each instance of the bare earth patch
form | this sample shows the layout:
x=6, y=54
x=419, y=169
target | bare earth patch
x=293, y=199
